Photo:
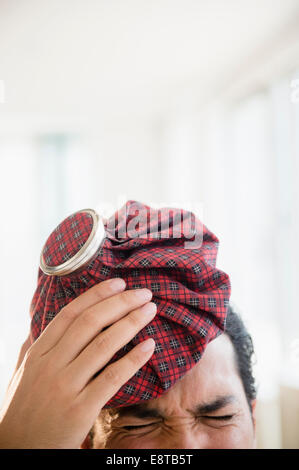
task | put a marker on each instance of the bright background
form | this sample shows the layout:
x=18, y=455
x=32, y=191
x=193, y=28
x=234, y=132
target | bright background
x=184, y=103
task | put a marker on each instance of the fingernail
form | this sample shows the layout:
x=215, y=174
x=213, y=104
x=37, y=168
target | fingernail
x=149, y=309
x=144, y=294
x=117, y=284
x=147, y=345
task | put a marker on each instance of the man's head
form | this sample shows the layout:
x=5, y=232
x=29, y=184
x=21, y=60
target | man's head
x=212, y=406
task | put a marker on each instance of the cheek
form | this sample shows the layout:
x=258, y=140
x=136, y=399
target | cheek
x=131, y=442
x=239, y=436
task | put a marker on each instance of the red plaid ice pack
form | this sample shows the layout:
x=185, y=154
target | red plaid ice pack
x=151, y=248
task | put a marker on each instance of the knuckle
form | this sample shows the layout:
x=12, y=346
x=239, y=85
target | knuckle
x=98, y=292
x=68, y=312
x=90, y=318
x=128, y=299
x=112, y=375
x=135, y=359
x=135, y=321
x=104, y=342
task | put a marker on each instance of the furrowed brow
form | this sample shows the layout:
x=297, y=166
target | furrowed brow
x=217, y=404
x=138, y=411
x=142, y=412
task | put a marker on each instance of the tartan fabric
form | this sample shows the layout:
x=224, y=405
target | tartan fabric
x=67, y=239
x=191, y=294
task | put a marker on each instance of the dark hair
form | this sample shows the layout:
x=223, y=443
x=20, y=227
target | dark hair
x=244, y=352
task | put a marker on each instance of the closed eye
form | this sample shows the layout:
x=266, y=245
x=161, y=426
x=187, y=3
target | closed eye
x=219, y=418
x=216, y=418
x=140, y=426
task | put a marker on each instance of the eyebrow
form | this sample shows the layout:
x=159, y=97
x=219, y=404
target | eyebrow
x=142, y=412
x=217, y=404
x=139, y=411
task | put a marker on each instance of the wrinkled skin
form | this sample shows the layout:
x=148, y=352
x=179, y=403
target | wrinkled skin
x=214, y=378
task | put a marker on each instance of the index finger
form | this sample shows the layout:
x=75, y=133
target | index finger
x=57, y=327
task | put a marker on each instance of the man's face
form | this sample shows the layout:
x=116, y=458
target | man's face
x=206, y=409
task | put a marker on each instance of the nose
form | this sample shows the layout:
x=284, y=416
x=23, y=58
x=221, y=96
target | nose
x=184, y=439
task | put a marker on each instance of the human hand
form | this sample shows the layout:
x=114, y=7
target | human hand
x=53, y=398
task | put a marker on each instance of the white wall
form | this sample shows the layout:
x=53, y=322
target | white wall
x=133, y=110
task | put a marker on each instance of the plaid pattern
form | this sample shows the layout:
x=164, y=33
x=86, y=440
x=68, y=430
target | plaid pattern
x=67, y=239
x=191, y=294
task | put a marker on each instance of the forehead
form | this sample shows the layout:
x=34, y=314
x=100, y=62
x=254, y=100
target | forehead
x=215, y=375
